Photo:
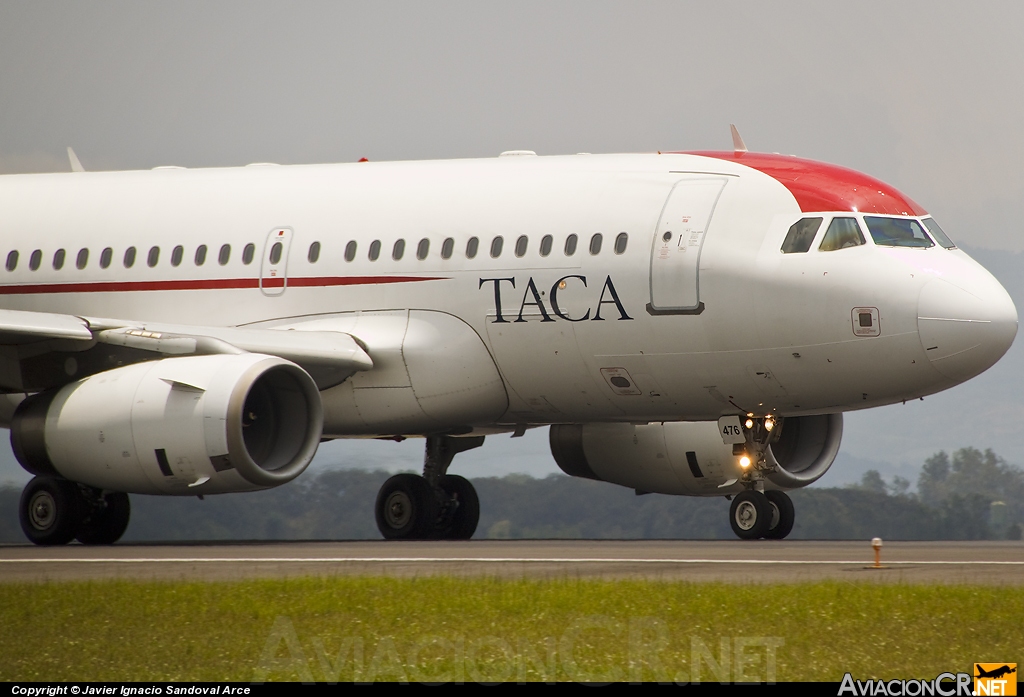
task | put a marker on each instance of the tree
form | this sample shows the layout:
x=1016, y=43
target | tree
x=872, y=481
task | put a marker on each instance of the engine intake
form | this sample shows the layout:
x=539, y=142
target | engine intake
x=806, y=449
x=191, y=425
x=689, y=458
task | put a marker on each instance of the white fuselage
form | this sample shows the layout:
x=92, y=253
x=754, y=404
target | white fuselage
x=776, y=332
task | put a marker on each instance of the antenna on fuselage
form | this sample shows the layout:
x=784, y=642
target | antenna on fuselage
x=76, y=166
x=737, y=141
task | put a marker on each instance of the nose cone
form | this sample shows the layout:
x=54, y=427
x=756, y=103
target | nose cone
x=964, y=332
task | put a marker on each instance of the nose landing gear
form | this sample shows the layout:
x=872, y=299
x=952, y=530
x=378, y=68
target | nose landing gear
x=756, y=513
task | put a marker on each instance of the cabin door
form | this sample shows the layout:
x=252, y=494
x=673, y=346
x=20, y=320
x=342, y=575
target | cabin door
x=678, y=240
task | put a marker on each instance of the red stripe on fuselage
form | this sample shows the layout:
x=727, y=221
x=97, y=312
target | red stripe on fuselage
x=818, y=186
x=206, y=284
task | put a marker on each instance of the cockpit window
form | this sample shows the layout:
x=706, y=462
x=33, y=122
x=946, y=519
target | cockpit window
x=897, y=232
x=801, y=235
x=938, y=234
x=842, y=233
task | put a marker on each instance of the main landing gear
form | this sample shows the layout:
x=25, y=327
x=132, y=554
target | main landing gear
x=756, y=513
x=54, y=511
x=435, y=506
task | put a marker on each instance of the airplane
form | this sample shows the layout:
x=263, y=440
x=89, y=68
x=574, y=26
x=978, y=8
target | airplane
x=687, y=323
x=995, y=672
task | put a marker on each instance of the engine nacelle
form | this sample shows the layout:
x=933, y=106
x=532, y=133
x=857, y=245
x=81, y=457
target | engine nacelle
x=191, y=425
x=689, y=458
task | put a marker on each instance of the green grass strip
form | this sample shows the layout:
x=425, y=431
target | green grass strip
x=440, y=629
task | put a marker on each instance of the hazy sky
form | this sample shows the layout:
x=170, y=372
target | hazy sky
x=926, y=96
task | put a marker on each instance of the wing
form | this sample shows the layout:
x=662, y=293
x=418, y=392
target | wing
x=41, y=350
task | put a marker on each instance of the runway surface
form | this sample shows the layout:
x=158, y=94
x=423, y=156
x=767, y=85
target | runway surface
x=1000, y=563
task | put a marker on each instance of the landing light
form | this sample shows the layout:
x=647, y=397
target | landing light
x=749, y=424
x=745, y=462
x=769, y=423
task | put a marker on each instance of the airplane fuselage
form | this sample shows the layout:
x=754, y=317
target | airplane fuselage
x=712, y=320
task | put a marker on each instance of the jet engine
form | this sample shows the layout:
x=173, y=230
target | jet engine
x=689, y=458
x=188, y=426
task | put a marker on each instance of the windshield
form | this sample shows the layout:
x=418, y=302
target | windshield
x=897, y=232
x=841, y=233
x=938, y=234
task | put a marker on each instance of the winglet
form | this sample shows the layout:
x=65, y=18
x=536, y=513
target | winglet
x=76, y=166
x=737, y=142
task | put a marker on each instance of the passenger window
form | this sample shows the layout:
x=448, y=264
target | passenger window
x=200, y=255
x=106, y=256
x=36, y=260
x=620, y=242
x=350, y=250
x=897, y=232
x=83, y=258
x=471, y=247
x=398, y=250
x=374, y=250
x=248, y=252
x=154, y=257
x=545, y=245
x=938, y=233
x=12, y=260
x=176, y=255
x=314, y=253
x=225, y=254
x=58, y=259
x=447, y=247
x=422, y=249
x=570, y=245
x=595, y=244
x=521, y=245
x=496, y=244
x=801, y=235
x=129, y=257
x=841, y=233
x=276, y=250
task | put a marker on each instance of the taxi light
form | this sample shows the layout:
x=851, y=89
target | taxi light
x=745, y=461
x=769, y=424
x=749, y=423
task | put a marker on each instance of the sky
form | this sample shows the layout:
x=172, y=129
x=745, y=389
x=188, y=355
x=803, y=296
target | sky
x=926, y=96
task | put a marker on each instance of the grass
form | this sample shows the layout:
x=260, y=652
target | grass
x=440, y=629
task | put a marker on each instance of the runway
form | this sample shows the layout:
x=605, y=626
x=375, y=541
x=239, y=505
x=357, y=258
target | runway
x=733, y=561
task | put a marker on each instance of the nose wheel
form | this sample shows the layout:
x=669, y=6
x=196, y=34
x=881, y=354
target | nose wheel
x=754, y=515
x=750, y=515
x=783, y=515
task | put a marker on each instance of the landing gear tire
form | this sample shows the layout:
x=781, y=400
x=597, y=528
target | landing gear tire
x=460, y=520
x=750, y=515
x=108, y=520
x=406, y=508
x=50, y=511
x=783, y=515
